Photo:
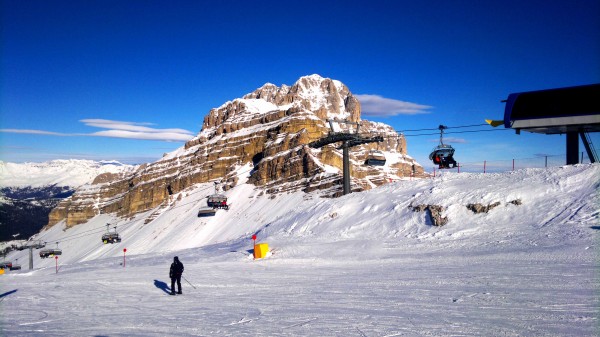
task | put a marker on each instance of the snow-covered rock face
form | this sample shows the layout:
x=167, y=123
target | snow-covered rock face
x=323, y=96
x=268, y=129
x=313, y=95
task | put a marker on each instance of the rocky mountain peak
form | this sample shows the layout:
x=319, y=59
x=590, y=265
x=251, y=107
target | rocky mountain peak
x=325, y=97
x=269, y=130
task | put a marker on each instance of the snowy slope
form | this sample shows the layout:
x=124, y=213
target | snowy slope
x=72, y=172
x=361, y=265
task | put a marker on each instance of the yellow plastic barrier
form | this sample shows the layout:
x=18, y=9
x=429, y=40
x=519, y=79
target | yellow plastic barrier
x=1, y=271
x=260, y=250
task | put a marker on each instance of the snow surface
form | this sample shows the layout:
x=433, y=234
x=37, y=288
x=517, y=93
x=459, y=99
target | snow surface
x=360, y=265
x=72, y=172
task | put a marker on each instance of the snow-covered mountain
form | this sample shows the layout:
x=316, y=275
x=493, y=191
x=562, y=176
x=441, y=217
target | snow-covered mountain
x=29, y=191
x=269, y=132
x=71, y=172
x=517, y=256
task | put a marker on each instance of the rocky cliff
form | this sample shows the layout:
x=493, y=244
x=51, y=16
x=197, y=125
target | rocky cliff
x=268, y=129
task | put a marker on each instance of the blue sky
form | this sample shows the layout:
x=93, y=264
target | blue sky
x=71, y=71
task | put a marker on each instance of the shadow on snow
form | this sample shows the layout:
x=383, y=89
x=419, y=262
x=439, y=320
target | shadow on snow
x=8, y=293
x=162, y=286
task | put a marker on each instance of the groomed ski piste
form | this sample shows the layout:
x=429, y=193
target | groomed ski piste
x=364, y=264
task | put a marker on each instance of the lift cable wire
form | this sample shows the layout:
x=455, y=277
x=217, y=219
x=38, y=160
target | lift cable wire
x=457, y=132
x=448, y=127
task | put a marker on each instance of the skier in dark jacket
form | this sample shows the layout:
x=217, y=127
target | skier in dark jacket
x=175, y=275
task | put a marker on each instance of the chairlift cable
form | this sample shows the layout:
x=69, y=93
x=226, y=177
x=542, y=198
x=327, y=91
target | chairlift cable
x=456, y=132
x=448, y=127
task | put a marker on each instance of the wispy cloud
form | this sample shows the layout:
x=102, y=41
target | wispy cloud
x=35, y=132
x=133, y=130
x=118, y=129
x=376, y=105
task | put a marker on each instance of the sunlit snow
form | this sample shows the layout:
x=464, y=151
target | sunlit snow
x=363, y=264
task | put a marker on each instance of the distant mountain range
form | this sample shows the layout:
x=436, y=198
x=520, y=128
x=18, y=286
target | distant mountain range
x=71, y=172
x=29, y=191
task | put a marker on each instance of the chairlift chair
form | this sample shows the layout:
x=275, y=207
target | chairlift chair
x=44, y=253
x=443, y=154
x=206, y=211
x=375, y=158
x=110, y=237
x=217, y=201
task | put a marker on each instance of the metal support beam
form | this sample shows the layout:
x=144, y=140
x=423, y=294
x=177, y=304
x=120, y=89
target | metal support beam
x=348, y=140
x=30, y=258
x=589, y=148
x=346, y=160
x=572, y=148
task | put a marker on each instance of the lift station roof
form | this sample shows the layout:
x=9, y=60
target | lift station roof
x=555, y=111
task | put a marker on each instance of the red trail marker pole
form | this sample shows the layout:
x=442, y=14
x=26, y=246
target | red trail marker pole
x=254, y=246
x=124, y=251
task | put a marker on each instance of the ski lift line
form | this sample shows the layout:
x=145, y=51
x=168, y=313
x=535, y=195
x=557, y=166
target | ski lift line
x=447, y=127
x=204, y=189
x=98, y=230
x=457, y=132
x=399, y=135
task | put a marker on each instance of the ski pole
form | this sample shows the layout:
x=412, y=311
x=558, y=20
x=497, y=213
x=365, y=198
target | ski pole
x=186, y=280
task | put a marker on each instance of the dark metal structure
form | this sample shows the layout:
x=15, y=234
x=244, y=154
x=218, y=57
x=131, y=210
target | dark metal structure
x=574, y=111
x=348, y=140
x=31, y=245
